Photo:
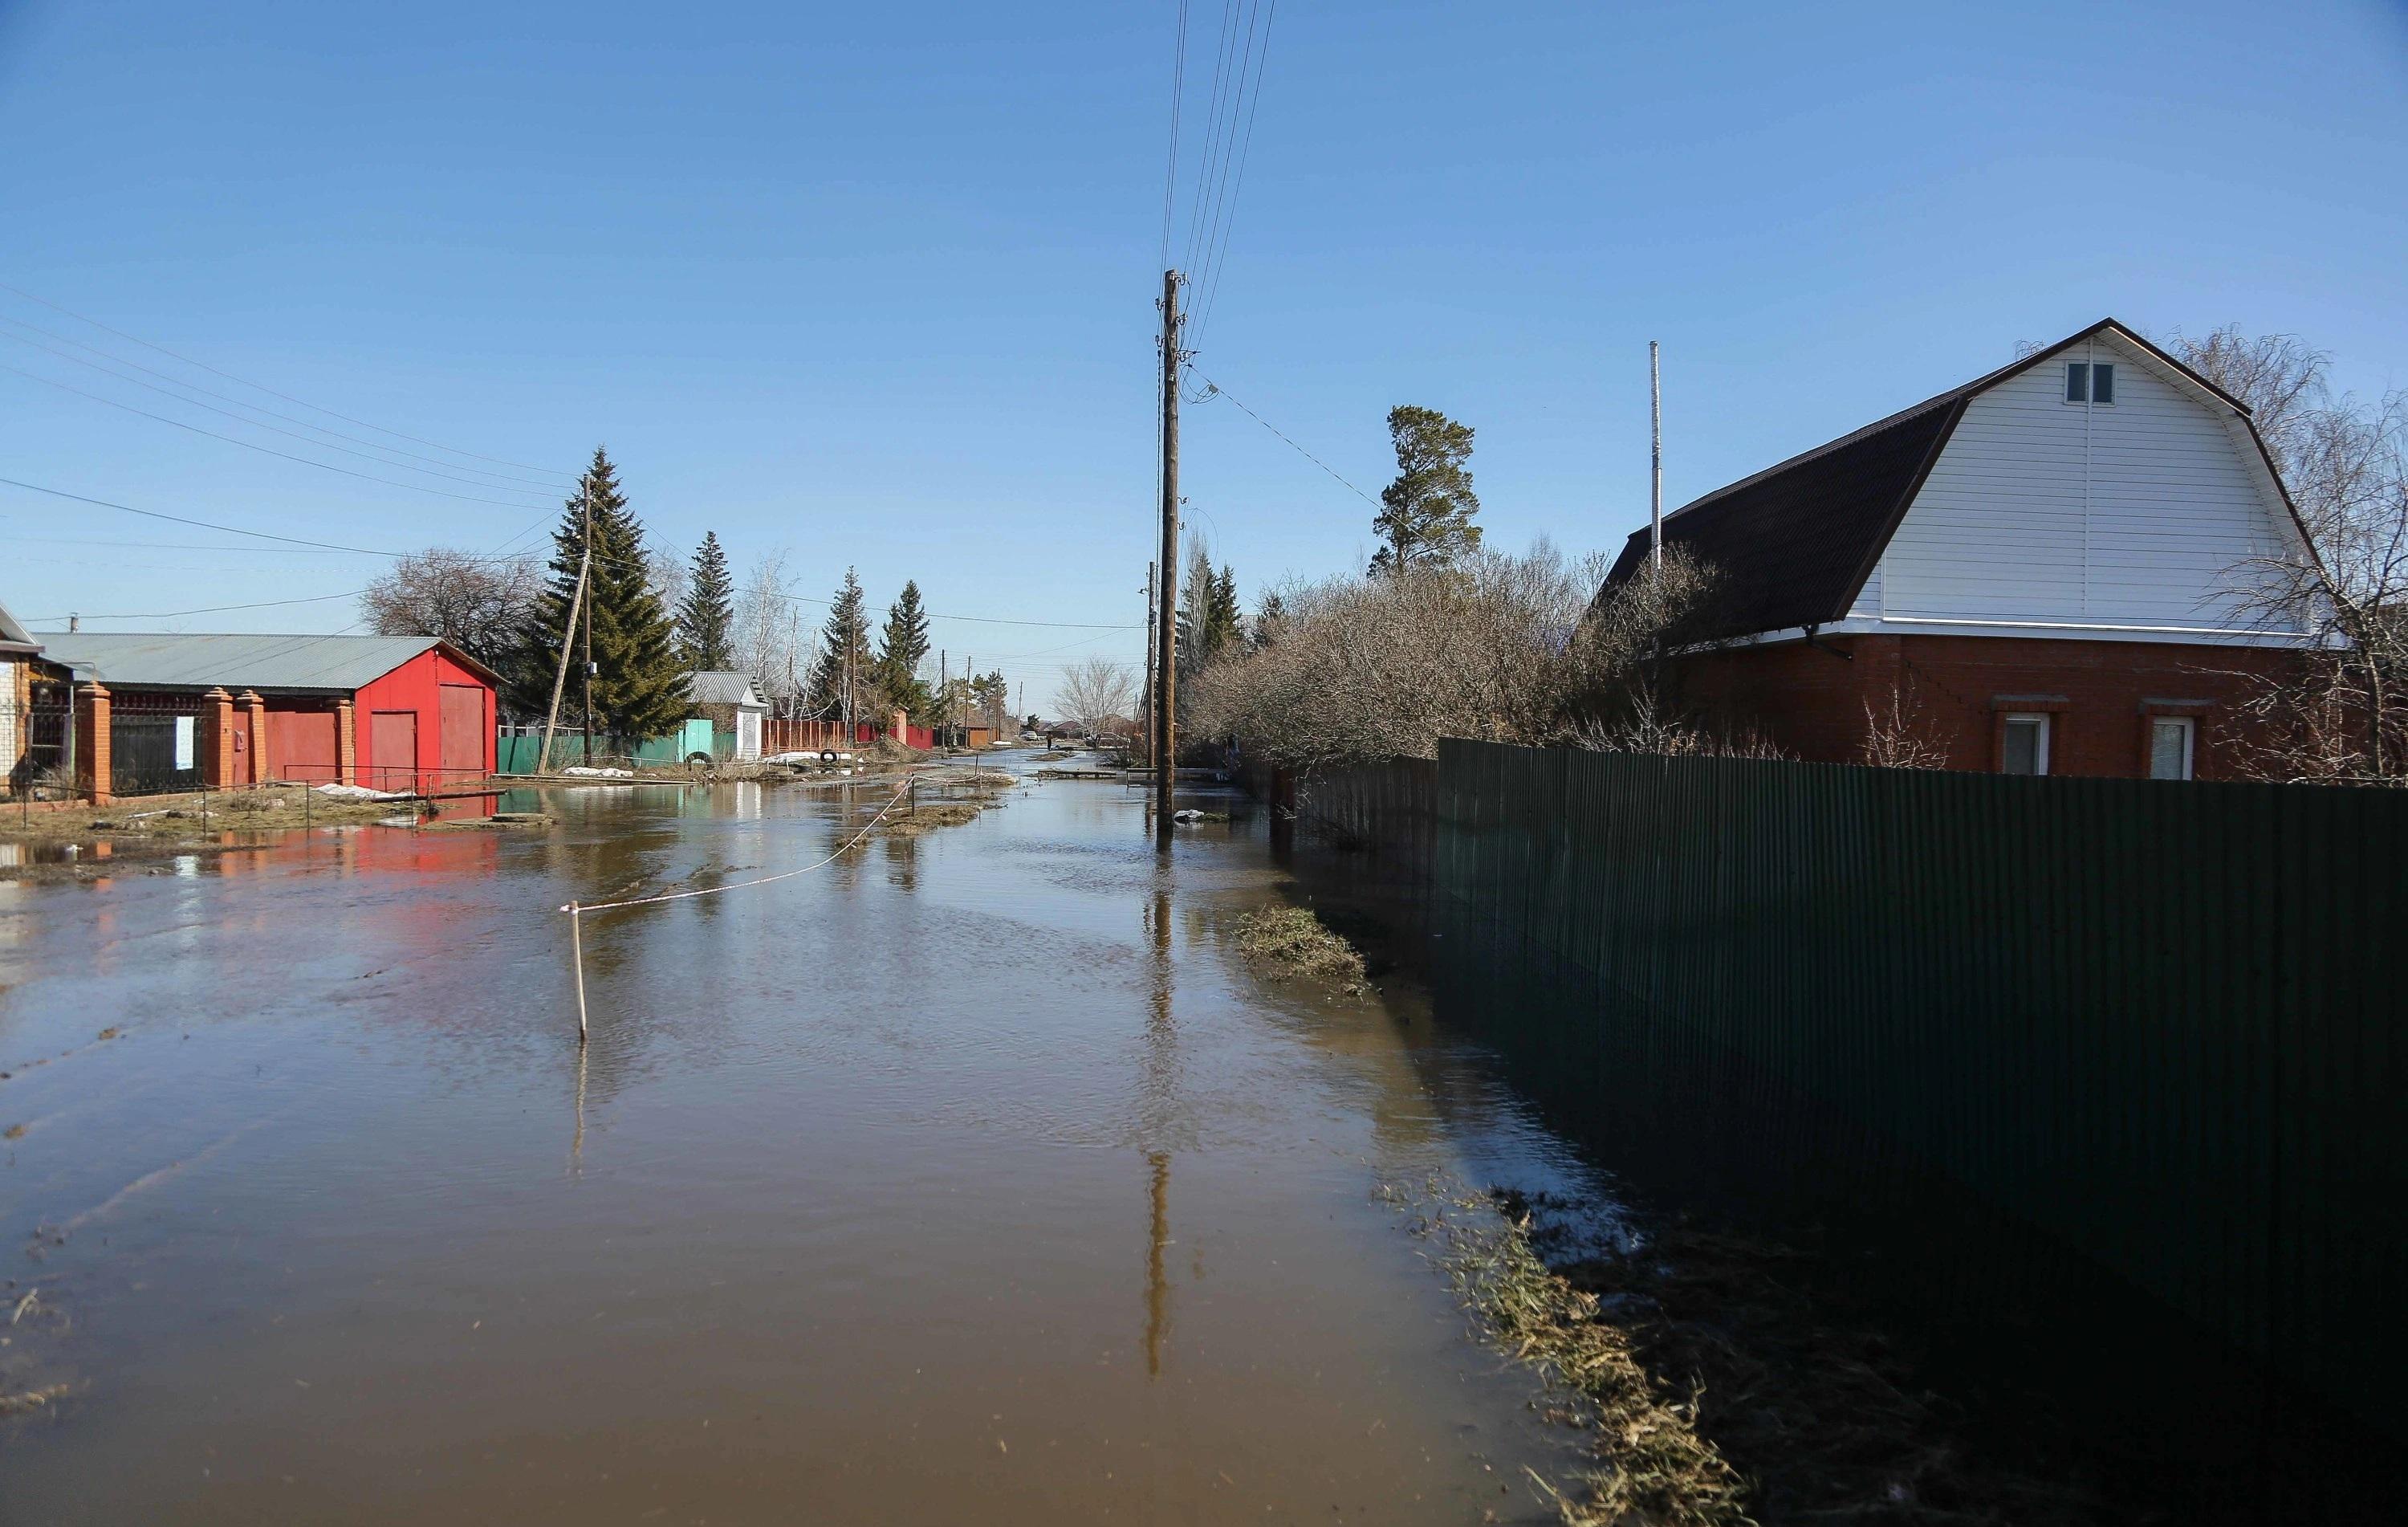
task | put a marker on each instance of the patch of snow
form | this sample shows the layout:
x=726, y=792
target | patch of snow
x=583, y=771
x=357, y=792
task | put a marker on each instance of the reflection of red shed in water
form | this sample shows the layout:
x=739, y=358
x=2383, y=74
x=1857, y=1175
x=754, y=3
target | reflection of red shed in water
x=389, y=713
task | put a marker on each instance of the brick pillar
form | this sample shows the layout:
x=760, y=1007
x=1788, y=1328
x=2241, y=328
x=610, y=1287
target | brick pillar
x=902, y=722
x=255, y=732
x=91, y=742
x=217, y=739
x=347, y=747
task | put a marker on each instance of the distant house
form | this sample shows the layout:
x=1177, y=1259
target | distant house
x=166, y=711
x=27, y=744
x=732, y=703
x=2030, y=573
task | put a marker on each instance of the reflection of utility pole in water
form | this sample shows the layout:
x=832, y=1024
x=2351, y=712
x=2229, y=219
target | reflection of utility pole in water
x=577, y=1141
x=1157, y=1287
x=1158, y=1108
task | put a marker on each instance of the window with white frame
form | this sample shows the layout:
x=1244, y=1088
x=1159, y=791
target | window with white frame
x=2023, y=743
x=2171, y=742
x=2089, y=382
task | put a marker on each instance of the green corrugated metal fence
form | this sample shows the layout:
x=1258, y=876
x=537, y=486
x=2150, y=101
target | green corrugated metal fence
x=2160, y=1023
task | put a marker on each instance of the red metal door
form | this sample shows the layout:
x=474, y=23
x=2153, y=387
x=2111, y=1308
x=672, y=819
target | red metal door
x=301, y=746
x=392, y=751
x=464, y=733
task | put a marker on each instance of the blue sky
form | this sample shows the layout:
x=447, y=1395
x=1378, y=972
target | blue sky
x=876, y=284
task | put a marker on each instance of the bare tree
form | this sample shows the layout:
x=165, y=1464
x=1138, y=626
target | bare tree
x=1095, y=694
x=479, y=604
x=768, y=636
x=2340, y=713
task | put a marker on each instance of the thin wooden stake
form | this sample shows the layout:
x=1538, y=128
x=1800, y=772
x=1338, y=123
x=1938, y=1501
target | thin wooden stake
x=576, y=957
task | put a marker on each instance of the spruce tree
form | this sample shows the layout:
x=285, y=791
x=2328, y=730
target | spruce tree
x=844, y=649
x=706, y=618
x=902, y=647
x=1425, y=514
x=638, y=683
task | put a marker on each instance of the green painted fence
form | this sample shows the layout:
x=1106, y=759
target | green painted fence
x=516, y=748
x=2162, y=1023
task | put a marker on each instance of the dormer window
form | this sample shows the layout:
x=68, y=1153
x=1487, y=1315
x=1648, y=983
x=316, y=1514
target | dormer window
x=2088, y=382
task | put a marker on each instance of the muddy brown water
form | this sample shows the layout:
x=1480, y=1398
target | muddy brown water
x=970, y=1179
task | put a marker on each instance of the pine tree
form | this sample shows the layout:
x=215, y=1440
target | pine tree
x=638, y=683
x=706, y=618
x=1426, y=517
x=1209, y=621
x=845, y=652
x=902, y=647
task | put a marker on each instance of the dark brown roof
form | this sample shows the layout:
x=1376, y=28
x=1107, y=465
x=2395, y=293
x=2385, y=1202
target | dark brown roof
x=1793, y=544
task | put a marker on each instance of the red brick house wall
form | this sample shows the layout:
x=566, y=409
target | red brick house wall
x=1810, y=701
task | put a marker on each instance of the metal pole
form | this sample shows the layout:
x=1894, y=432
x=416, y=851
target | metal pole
x=1166, y=639
x=1655, y=457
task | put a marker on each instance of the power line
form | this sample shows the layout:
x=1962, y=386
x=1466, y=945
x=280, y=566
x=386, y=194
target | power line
x=180, y=519
x=1219, y=391
x=553, y=484
x=1245, y=152
x=1221, y=52
x=370, y=551
x=229, y=413
x=1228, y=147
x=271, y=391
x=207, y=610
x=1178, y=95
x=321, y=466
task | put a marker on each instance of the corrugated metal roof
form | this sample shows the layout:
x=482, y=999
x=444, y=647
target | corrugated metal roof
x=13, y=634
x=174, y=660
x=719, y=686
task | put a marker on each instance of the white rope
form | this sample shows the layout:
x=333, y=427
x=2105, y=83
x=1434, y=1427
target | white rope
x=578, y=910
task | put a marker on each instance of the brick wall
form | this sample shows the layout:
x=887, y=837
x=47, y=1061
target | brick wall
x=1810, y=701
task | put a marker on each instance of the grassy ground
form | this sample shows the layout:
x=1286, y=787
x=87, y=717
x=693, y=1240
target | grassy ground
x=1290, y=942
x=946, y=798
x=1654, y=1464
x=264, y=808
x=1720, y=1385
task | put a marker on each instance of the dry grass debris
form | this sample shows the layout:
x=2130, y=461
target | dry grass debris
x=1654, y=1465
x=1289, y=942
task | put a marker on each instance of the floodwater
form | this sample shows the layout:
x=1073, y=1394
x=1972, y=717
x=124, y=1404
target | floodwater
x=970, y=1179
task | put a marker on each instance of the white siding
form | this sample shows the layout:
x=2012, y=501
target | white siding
x=1869, y=601
x=2131, y=513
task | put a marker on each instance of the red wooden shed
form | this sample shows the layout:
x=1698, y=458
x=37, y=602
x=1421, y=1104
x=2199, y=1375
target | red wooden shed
x=160, y=711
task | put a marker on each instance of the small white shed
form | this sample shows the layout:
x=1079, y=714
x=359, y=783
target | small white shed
x=733, y=705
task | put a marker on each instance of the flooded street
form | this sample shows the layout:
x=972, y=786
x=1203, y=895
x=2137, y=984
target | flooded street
x=971, y=1177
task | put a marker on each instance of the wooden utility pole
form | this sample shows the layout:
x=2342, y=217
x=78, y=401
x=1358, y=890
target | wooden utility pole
x=587, y=493
x=1148, y=660
x=560, y=678
x=1166, y=636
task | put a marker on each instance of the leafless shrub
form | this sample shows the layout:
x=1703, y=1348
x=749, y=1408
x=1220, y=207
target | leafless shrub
x=2338, y=714
x=1495, y=647
x=1896, y=735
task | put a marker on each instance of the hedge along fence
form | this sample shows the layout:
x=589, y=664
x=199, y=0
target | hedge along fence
x=2161, y=1023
